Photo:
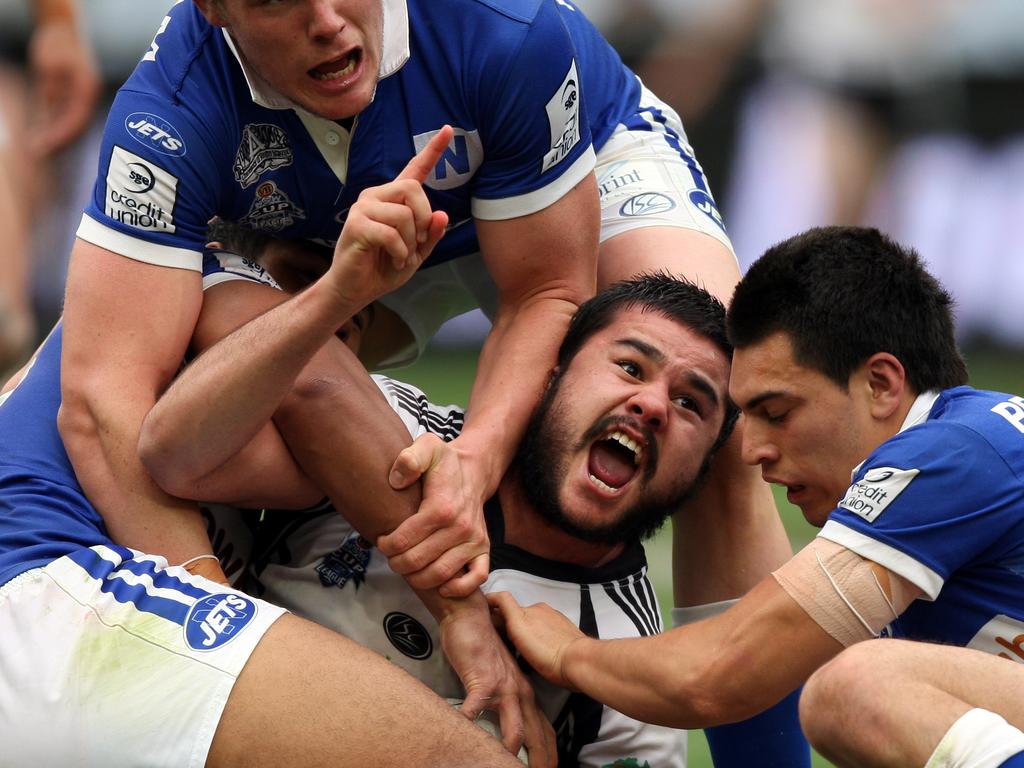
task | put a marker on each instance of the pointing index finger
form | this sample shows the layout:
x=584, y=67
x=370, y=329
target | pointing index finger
x=423, y=163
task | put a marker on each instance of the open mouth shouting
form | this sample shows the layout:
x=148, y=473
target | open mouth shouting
x=339, y=69
x=616, y=458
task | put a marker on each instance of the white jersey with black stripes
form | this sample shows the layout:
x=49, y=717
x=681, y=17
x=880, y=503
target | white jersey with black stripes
x=316, y=565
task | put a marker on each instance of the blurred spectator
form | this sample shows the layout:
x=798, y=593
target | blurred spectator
x=36, y=121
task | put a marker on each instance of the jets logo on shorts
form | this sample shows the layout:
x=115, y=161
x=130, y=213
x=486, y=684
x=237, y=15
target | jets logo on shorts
x=706, y=205
x=647, y=204
x=216, y=620
x=408, y=635
x=264, y=147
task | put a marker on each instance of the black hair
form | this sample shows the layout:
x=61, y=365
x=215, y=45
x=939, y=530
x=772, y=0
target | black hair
x=842, y=294
x=674, y=297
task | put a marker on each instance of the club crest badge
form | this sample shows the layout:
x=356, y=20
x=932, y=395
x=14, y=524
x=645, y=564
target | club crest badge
x=264, y=147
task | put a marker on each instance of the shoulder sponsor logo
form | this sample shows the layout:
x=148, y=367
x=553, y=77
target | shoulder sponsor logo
x=1003, y=636
x=706, y=205
x=140, y=194
x=564, y=119
x=647, y=204
x=347, y=563
x=408, y=635
x=1013, y=411
x=264, y=147
x=872, y=494
x=216, y=620
x=156, y=133
x=272, y=210
x=462, y=158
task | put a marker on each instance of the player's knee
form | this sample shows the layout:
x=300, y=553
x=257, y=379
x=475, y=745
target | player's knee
x=832, y=691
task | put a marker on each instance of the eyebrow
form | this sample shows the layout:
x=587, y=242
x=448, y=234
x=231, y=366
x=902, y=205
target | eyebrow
x=756, y=401
x=695, y=380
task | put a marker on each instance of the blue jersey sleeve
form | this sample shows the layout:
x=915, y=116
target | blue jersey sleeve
x=926, y=502
x=533, y=122
x=158, y=181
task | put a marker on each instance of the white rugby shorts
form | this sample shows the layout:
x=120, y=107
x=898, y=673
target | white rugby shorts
x=111, y=657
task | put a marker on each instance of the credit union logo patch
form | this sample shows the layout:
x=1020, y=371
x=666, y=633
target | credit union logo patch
x=564, y=119
x=140, y=194
x=872, y=494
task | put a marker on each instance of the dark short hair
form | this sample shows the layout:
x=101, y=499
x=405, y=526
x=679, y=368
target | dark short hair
x=842, y=294
x=676, y=298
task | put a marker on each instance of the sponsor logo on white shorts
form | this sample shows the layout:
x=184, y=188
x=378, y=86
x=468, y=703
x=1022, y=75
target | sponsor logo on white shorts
x=156, y=133
x=616, y=181
x=140, y=194
x=706, y=205
x=1002, y=636
x=216, y=620
x=647, y=204
x=872, y=494
x=462, y=158
x=564, y=119
x=272, y=210
x=264, y=147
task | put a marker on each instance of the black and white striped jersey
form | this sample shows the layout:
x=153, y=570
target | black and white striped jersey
x=316, y=565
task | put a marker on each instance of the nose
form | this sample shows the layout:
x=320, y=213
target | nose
x=325, y=21
x=756, y=448
x=649, y=405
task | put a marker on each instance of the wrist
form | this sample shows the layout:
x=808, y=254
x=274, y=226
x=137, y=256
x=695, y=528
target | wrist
x=573, y=661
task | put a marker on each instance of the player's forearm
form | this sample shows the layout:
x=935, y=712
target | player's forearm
x=224, y=397
x=515, y=363
x=101, y=444
x=716, y=671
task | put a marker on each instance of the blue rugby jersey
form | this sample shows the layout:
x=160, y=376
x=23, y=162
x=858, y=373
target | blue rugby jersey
x=43, y=511
x=530, y=87
x=942, y=504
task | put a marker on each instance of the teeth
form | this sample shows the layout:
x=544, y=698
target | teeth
x=624, y=440
x=340, y=73
x=602, y=485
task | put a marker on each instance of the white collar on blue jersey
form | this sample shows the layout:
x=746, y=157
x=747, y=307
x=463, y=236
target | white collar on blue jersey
x=394, y=54
x=918, y=414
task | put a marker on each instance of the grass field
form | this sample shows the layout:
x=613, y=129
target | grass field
x=446, y=375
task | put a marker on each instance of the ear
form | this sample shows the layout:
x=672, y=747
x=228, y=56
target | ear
x=213, y=11
x=887, y=382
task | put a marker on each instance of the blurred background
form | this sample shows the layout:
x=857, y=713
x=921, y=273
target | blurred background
x=903, y=115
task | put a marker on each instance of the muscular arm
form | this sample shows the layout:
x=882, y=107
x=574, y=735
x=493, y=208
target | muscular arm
x=716, y=671
x=126, y=326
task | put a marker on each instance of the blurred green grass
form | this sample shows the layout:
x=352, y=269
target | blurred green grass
x=445, y=374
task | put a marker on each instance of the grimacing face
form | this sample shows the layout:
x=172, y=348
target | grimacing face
x=625, y=430
x=324, y=55
x=806, y=432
